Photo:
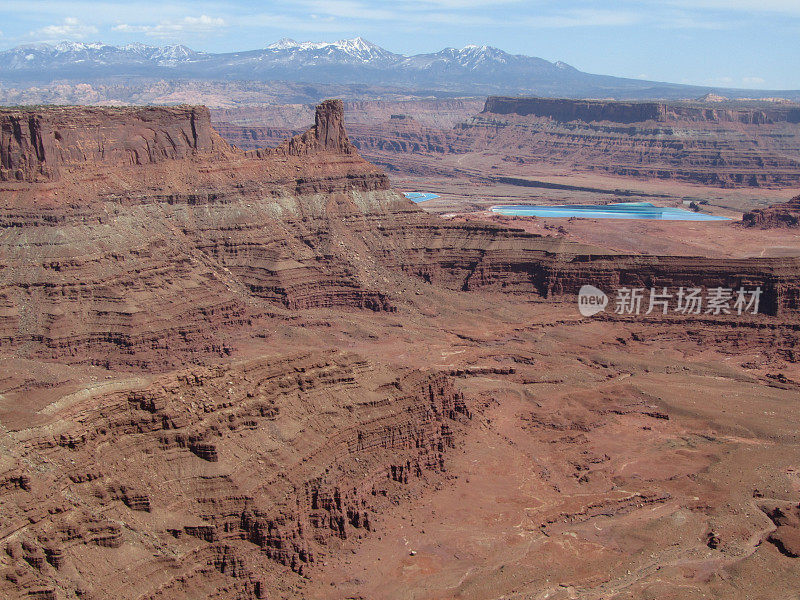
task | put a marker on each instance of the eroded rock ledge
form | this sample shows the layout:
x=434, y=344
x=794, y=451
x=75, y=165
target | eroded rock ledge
x=784, y=214
x=565, y=110
x=69, y=155
x=213, y=477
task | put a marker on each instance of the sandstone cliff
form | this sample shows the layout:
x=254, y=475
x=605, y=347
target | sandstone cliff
x=565, y=110
x=37, y=144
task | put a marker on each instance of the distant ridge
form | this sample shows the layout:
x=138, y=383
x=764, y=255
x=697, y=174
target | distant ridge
x=472, y=69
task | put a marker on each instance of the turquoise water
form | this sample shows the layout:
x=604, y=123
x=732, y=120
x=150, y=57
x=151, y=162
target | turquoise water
x=420, y=196
x=622, y=210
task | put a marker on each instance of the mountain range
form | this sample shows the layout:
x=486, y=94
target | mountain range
x=472, y=69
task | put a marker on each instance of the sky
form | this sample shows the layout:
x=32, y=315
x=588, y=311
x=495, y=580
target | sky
x=730, y=43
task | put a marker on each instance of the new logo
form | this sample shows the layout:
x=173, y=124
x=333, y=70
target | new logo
x=591, y=300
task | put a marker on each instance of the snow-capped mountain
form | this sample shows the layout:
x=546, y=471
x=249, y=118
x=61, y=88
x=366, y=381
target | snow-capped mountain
x=355, y=51
x=346, y=61
x=472, y=69
x=45, y=60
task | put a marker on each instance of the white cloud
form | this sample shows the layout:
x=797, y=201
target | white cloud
x=201, y=24
x=694, y=21
x=753, y=81
x=69, y=28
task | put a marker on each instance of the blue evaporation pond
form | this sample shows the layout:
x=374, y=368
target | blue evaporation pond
x=622, y=210
x=420, y=196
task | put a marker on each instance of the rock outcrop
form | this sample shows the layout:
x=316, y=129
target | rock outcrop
x=564, y=110
x=785, y=214
x=219, y=478
x=708, y=144
x=38, y=144
x=327, y=134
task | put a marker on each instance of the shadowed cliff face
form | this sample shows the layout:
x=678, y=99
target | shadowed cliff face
x=38, y=144
x=565, y=110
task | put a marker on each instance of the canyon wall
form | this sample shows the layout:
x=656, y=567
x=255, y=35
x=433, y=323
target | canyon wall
x=396, y=144
x=202, y=471
x=37, y=144
x=151, y=286
x=434, y=112
x=723, y=144
x=699, y=143
x=575, y=110
x=249, y=137
x=215, y=479
x=565, y=110
x=150, y=265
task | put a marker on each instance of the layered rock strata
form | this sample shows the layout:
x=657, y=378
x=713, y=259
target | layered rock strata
x=227, y=477
x=148, y=265
x=564, y=110
x=38, y=144
x=712, y=145
x=217, y=478
x=719, y=144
